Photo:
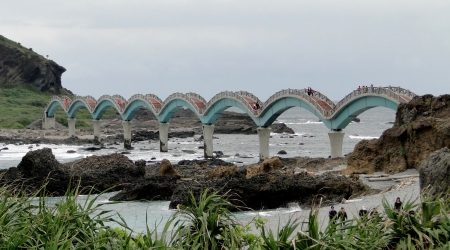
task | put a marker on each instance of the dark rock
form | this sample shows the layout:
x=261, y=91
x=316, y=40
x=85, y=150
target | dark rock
x=357, y=120
x=218, y=153
x=150, y=188
x=40, y=167
x=206, y=162
x=71, y=151
x=435, y=172
x=188, y=151
x=274, y=189
x=92, y=149
x=281, y=128
x=282, y=152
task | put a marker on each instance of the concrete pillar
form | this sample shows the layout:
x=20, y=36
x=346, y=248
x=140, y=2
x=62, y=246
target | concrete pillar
x=97, y=129
x=126, y=134
x=263, y=135
x=163, y=137
x=49, y=122
x=71, y=122
x=336, y=141
x=208, y=131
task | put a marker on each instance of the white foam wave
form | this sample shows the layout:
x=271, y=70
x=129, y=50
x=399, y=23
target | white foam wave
x=358, y=137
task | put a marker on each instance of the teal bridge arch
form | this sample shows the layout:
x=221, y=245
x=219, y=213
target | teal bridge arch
x=335, y=116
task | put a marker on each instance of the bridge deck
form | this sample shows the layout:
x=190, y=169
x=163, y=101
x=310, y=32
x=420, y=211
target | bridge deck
x=321, y=103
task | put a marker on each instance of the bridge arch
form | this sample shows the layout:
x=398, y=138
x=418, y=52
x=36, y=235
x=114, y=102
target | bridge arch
x=55, y=102
x=75, y=107
x=219, y=106
x=103, y=103
x=172, y=104
x=134, y=104
x=347, y=113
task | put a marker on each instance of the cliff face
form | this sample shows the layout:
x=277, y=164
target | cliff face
x=20, y=65
x=421, y=127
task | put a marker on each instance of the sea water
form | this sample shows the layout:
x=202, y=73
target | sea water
x=310, y=139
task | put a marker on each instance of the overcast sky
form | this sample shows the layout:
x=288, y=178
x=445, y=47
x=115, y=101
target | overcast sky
x=162, y=47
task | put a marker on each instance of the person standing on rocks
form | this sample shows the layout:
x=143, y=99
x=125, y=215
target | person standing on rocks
x=398, y=204
x=332, y=214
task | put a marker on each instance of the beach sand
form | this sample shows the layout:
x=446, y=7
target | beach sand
x=409, y=191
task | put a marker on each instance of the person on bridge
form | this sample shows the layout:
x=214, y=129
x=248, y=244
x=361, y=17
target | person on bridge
x=310, y=91
x=257, y=105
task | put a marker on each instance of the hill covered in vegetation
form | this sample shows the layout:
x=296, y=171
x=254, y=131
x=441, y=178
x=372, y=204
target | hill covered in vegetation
x=27, y=82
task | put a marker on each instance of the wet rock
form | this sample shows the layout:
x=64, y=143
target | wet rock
x=282, y=152
x=71, y=151
x=188, y=151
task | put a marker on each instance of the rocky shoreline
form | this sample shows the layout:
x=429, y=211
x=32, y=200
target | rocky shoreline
x=420, y=129
x=270, y=184
x=183, y=124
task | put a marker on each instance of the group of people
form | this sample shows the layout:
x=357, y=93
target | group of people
x=256, y=106
x=310, y=91
x=364, y=88
x=341, y=215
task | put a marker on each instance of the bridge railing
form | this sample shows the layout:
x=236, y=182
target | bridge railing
x=200, y=98
x=303, y=94
x=324, y=98
x=392, y=92
x=232, y=95
x=182, y=97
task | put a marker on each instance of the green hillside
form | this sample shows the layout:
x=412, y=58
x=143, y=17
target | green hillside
x=23, y=103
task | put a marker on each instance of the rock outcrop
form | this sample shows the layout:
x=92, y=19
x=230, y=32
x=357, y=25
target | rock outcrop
x=274, y=189
x=20, y=65
x=421, y=127
x=435, y=172
x=40, y=167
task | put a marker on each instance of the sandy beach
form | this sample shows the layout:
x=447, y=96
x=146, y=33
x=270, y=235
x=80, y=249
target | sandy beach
x=409, y=190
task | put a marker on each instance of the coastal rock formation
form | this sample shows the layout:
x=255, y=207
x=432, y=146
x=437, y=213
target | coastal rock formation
x=421, y=127
x=274, y=189
x=435, y=172
x=20, y=65
x=40, y=167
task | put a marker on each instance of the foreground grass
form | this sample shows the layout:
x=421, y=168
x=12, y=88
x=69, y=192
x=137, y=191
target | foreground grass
x=21, y=105
x=206, y=223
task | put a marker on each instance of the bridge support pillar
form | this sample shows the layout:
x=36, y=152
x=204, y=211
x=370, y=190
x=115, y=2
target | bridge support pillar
x=127, y=134
x=263, y=135
x=49, y=122
x=71, y=122
x=336, y=141
x=97, y=128
x=163, y=137
x=208, y=131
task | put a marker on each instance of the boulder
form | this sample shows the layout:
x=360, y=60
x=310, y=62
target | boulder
x=281, y=152
x=435, y=172
x=166, y=169
x=271, y=164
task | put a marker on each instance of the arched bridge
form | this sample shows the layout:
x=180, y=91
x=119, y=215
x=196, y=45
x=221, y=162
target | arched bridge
x=336, y=116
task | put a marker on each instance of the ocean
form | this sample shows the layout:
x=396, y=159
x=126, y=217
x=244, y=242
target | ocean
x=310, y=140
